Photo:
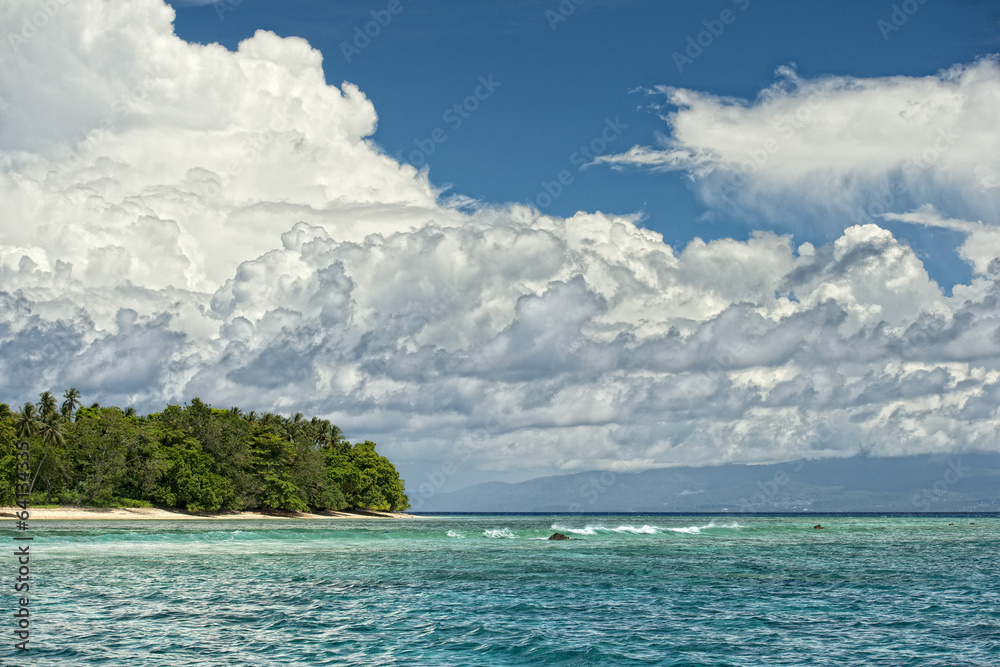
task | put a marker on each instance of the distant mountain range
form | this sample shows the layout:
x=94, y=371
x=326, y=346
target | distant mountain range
x=954, y=483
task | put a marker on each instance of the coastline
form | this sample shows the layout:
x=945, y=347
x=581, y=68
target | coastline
x=158, y=513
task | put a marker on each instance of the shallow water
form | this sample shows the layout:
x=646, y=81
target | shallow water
x=492, y=590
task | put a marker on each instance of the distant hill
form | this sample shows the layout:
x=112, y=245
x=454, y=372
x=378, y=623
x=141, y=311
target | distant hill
x=960, y=483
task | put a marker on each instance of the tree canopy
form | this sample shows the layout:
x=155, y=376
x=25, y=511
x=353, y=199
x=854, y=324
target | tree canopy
x=194, y=457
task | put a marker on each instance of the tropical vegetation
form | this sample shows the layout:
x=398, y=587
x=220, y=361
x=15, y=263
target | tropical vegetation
x=194, y=457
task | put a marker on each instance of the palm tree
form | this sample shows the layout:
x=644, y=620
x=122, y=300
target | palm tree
x=130, y=412
x=333, y=436
x=47, y=404
x=52, y=434
x=294, y=425
x=28, y=423
x=71, y=403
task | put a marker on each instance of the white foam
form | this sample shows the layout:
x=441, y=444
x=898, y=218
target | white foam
x=499, y=532
x=587, y=530
x=644, y=530
x=695, y=530
x=594, y=530
x=455, y=533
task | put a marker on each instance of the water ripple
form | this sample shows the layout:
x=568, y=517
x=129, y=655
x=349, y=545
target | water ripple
x=627, y=591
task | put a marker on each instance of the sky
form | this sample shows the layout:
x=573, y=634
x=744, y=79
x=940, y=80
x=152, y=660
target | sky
x=507, y=239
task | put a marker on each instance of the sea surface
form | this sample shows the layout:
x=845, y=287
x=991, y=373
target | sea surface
x=492, y=590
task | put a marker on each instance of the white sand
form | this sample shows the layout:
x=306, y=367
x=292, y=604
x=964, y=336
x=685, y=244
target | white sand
x=104, y=513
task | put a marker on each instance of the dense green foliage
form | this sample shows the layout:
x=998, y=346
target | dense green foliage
x=193, y=457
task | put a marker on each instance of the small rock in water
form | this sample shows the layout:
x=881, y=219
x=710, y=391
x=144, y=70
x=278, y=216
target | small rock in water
x=558, y=536
x=818, y=527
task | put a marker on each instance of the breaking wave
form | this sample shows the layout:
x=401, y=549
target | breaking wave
x=589, y=530
x=499, y=533
x=695, y=530
x=645, y=529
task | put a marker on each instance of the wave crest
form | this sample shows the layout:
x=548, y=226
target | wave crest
x=504, y=533
x=645, y=529
x=695, y=530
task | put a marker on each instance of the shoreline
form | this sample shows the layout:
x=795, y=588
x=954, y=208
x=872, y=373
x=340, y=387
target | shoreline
x=159, y=513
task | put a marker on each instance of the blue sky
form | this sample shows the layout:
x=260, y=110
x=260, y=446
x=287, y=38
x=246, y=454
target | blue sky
x=785, y=242
x=565, y=68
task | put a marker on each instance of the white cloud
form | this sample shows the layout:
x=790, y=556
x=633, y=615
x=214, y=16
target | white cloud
x=164, y=147
x=981, y=247
x=853, y=148
x=236, y=236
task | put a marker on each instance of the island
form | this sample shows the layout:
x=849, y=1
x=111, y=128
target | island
x=190, y=460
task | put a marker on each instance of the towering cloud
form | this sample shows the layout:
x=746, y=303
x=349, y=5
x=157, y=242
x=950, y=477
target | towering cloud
x=181, y=220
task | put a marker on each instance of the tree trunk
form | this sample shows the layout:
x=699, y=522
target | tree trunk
x=38, y=470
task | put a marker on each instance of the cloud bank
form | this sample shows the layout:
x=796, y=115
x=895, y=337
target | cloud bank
x=181, y=221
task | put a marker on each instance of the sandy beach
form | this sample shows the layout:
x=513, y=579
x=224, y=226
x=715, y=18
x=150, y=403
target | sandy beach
x=155, y=513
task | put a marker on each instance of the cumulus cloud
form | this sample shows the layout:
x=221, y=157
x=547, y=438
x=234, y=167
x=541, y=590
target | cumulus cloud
x=981, y=247
x=185, y=221
x=851, y=147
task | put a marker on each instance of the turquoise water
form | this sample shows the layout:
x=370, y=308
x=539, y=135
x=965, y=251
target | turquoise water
x=633, y=590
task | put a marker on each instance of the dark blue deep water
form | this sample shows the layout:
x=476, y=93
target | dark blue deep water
x=490, y=590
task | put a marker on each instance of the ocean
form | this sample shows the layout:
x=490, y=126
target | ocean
x=492, y=590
